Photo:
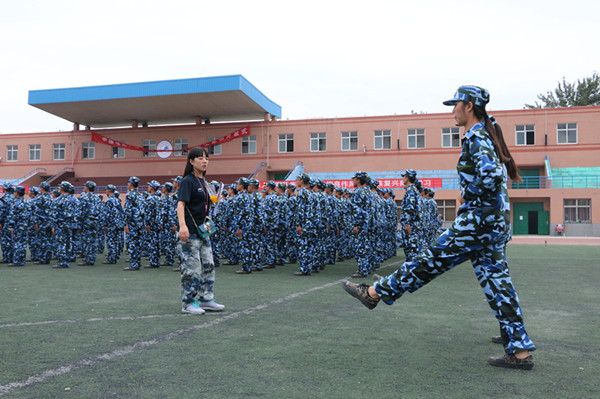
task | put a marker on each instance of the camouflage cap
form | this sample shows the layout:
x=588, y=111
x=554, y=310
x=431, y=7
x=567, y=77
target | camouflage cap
x=45, y=185
x=8, y=187
x=360, y=175
x=20, y=190
x=56, y=192
x=253, y=182
x=291, y=186
x=410, y=173
x=90, y=184
x=271, y=184
x=134, y=180
x=154, y=184
x=475, y=94
x=177, y=179
x=373, y=183
x=281, y=186
x=168, y=186
x=243, y=182
x=34, y=190
x=65, y=185
x=111, y=188
x=304, y=177
x=330, y=186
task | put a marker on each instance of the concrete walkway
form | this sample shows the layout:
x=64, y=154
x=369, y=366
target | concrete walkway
x=554, y=240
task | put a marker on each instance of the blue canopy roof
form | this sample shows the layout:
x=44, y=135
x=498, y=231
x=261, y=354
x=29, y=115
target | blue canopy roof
x=219, y=98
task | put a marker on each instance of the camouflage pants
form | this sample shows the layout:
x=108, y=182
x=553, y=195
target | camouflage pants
x=169, y=244
x=306, y=252
x=134, y=245
x=46, y=244
x=482, y=243
x=19, y=246
x=197, y=269
x=250, y=250
x=7, y=245
x=34, y=244
x=64, y=246
x=89, y=244
x=291, y=250
x=113, y=244
x=411, y=245
x=362, y=250
x=270, y=241
x=153, y=246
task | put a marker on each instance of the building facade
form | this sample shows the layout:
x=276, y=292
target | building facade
x=557, y=150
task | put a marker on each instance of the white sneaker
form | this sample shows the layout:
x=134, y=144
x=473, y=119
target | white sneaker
x=212, y=305
x=192, y=308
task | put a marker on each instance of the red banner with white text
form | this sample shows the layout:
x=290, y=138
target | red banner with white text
x=383, y=183
x=245, y=131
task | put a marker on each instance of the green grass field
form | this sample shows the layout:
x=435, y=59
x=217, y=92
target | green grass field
x=99, y=332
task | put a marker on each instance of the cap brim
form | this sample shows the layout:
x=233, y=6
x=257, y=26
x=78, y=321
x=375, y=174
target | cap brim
x=452, y=101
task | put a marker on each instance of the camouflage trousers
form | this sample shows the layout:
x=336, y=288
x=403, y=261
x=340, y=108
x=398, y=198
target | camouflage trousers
x=250, y=250
x=306, y=251
x=89, y=244
x=362, y=250
x=484, y=245
x=291, y=251
x=64, y=246
x=153, y=249
x=46, y=245
x=113, y=244
x=197, y=269
x=34, y=244
x=168, y=242
x=6, y=242
x=19, y=246
x=411, y=245
x=270, y=245
x=134, y=245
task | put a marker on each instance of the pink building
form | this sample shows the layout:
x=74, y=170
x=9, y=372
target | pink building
x=557, y=150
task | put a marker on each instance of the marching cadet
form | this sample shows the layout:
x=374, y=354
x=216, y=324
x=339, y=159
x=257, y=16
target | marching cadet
x=361, y=211
x=282, y=223
x=243, y=225
x=65, y=218
x=33, y=236
x=153, y=224
x=411, y=215
x=228, y=207
x=291, y=249
x=305, y=223
x=17, y=226
x=43, y=219
x=271, y=215
x=5, y=237
x=333, y=227
x=134, y=223
x=113, y=220
x=89, y=205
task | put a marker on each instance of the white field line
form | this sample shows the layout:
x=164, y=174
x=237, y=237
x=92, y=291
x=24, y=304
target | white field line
x=41, y=377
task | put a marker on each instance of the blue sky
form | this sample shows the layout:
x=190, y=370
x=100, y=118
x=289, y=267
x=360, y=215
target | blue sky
x=314, y=58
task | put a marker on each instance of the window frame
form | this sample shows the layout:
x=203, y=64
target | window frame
x=524, y=131
x=320, y=138
x=36, y=150
x=91, y=147
x=447, y=207
x=285, y=139
x=247, y=142
x=55, y=148
x=577, y=207
x=567, y=128
x=349, y=137
x=12, y=150
x=214, y=149
x=178, y=144
x=382, y=134
x=149, y=144
x=415, y=133
x=450, y=133
x=119, y=151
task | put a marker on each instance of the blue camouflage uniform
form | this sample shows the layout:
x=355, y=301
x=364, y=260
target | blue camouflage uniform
x=168, y=217
x=134, y=220
x=113, y=221
x=305, y=217
x=411, y=216
x=361, y=219
x=90, y=206
x=5, y=237
x=65, y=218
x=479, y=233
x=17, y=223
x=153, y=221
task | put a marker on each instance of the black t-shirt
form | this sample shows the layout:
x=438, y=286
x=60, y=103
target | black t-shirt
x=192, y=190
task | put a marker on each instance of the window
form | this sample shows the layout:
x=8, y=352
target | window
x=118, y=152
x=12, y=152
x=179, y=144
x=566, y=133
x=149, y=145
x=525, y=134
x=318, y=141
x=416, y=138
x=216, y=149
x=35, y=152
x=349, y=141
x=383, y=139
x=447, y=208
x=578, y=210
x=89, y=150
x=450, y=137
x=58, y=152
x=249, y=145
x=286, y=143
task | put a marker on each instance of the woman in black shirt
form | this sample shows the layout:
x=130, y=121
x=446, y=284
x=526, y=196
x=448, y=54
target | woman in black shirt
x=197, y=266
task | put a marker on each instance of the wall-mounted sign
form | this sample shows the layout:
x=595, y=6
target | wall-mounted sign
x=164, y=149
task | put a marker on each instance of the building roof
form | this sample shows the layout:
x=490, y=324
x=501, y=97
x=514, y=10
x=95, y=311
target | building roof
x=219, y=98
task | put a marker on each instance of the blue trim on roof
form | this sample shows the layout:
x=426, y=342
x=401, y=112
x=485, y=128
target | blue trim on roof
x=157, y=88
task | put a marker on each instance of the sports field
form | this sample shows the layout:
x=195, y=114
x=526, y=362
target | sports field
x=99, y=332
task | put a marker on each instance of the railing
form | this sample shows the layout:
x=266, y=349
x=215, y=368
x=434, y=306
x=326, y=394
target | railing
x=298, y=163
x=261, y=165
x=59, y=173
x=30, y=173
x=538, y=182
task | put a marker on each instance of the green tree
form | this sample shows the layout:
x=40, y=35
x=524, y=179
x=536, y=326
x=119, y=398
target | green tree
x=584, y=92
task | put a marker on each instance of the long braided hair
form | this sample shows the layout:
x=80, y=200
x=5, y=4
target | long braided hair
x=497, y=137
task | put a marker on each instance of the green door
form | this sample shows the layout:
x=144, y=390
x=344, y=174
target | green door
x=530, y=218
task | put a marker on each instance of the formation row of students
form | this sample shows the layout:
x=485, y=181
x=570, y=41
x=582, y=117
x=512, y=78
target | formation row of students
x=58, y=224
x=310, y=222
